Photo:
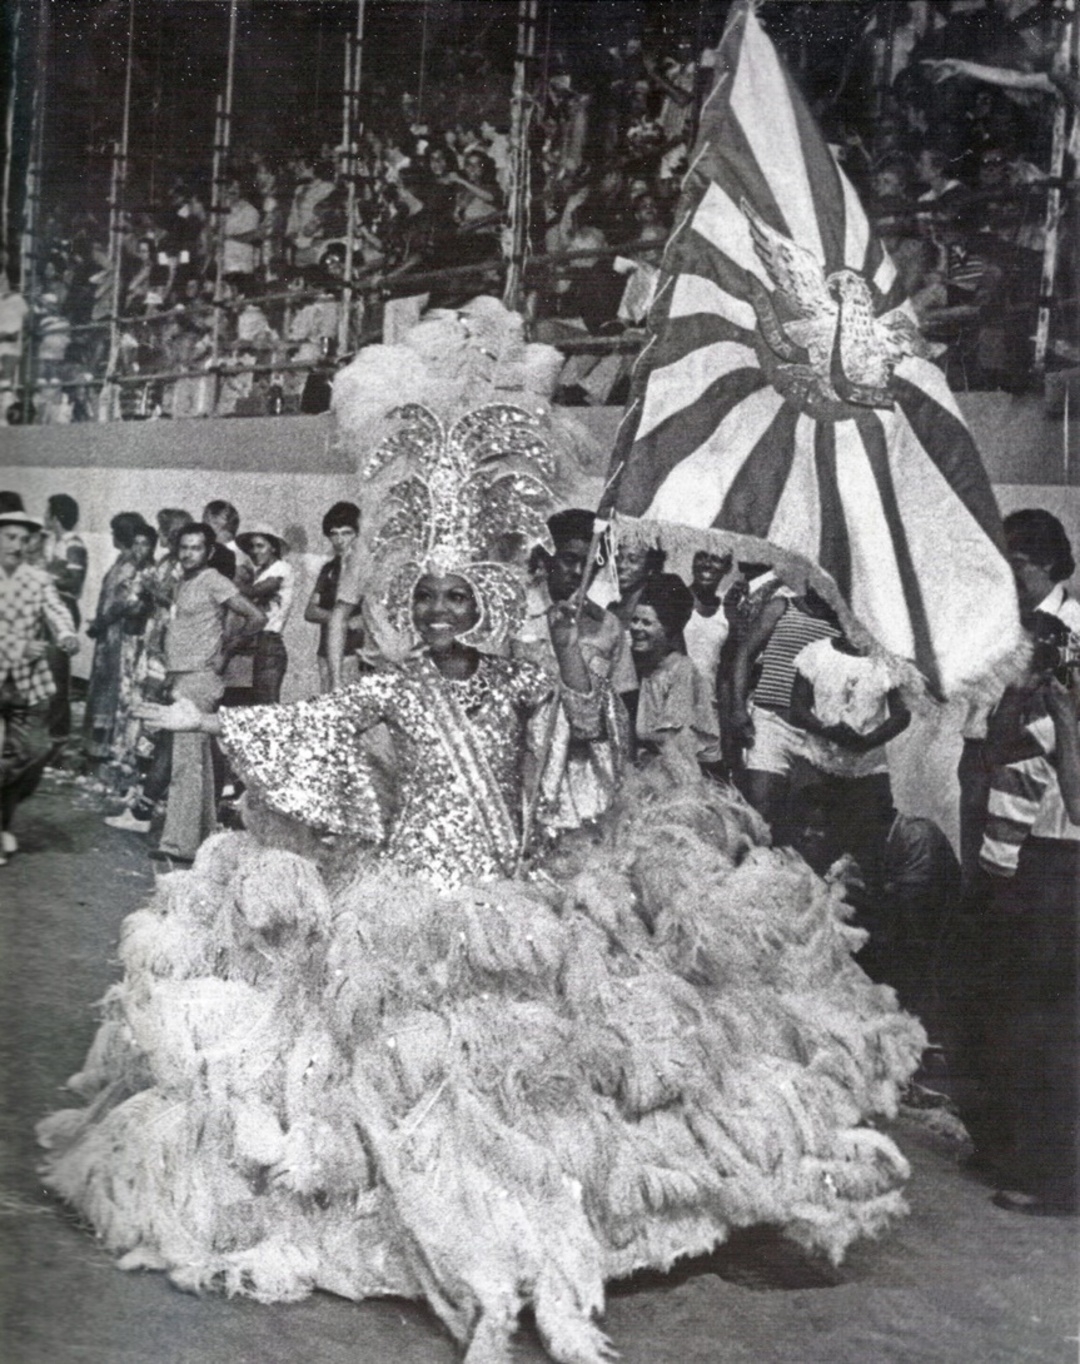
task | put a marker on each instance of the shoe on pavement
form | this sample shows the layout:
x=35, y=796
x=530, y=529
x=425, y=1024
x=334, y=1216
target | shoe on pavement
x=916, y=1095
x=8, y=843
x=126, y=820
x=1013, y=1200
x=164, y=855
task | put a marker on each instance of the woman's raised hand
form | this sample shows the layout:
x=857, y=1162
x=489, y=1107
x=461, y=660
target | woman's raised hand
x=182, y=715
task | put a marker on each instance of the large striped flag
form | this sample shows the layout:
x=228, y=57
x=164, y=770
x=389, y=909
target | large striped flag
x=785, y=393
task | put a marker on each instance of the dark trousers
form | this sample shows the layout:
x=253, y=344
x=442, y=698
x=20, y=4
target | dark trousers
x=60, y=705
x=269, y=664
x=155, y=785
x=190, y=812
x=25, y=748
x=973, y=773
x=1014, y=1023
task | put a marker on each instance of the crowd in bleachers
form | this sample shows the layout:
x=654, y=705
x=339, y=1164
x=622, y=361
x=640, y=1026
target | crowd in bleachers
x=949, y=148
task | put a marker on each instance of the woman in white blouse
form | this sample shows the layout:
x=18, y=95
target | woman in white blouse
x=272, y=590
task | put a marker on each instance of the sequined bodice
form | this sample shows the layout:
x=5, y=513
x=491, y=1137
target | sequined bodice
x=309, y=761
x=436, y=832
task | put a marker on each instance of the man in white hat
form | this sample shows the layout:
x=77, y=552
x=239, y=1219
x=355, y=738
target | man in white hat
x=30, y=612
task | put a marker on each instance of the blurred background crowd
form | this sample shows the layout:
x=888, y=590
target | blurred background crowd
x=229, y=284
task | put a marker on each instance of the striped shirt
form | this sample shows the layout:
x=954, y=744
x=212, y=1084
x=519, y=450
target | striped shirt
x=1025, y=798
x=791, y=634
x=1058, y=603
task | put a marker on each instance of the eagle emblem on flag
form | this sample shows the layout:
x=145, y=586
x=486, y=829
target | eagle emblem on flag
x=786, y=395
x=834, y=349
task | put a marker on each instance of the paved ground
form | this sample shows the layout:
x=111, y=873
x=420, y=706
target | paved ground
x=959, y=1282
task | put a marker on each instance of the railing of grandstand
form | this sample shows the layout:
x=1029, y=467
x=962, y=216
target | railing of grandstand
x=362, y=295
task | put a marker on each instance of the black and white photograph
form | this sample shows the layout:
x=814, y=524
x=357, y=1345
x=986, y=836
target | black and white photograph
x=540, y=682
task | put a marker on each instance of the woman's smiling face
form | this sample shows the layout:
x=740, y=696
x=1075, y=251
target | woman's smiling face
x=444, y=609
x=648, y=638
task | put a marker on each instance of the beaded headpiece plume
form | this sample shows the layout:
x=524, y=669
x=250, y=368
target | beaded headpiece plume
x=452, y=497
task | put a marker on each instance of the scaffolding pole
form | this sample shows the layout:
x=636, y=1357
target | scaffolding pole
x=116, y=226
x=354, y=61
x=9, y=131
x=28, y=256
x=1064, y=59
x=222, y=145
x=32, y=199
x=520, y=120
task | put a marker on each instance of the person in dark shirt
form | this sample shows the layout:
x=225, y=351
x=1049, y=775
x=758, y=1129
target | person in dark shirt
x=903, y=879
x=341, y=526
x=66, y=563
x=592, y=289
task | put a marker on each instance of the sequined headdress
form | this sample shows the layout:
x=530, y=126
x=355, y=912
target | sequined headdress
x=452, y=497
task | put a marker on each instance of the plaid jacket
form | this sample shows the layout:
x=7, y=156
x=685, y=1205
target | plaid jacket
x=29, y=601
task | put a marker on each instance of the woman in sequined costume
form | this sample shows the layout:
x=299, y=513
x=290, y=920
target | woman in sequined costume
x=458, y=718
x=386, y=1067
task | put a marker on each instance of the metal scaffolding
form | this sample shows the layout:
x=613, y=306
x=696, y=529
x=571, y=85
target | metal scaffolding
x=350, y=139
x=1065, y=61
x=222, y=145
x=118, y=228
x=520, y=192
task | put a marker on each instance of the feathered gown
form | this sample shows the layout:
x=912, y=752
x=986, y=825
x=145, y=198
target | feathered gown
x=482, y=1092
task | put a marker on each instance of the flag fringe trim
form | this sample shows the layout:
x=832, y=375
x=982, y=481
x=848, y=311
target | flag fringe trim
x=798, y=572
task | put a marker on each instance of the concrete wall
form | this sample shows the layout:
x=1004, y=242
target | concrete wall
x=284, y=471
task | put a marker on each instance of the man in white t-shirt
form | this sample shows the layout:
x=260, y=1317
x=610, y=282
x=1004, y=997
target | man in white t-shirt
x=708, y=627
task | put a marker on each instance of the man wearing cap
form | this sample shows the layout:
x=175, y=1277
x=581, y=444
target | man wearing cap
x=30, y=606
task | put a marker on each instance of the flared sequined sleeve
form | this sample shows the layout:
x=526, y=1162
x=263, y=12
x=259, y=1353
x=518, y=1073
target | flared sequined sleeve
x=306, y=759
